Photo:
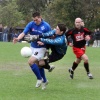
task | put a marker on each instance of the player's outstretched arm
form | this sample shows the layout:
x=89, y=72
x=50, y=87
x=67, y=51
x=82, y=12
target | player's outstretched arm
x=15, y=40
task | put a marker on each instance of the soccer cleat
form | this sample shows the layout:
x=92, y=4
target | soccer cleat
x=44, y=85
x=38, y=83
x=71, y=73
x=51, y=68
x=90, y=76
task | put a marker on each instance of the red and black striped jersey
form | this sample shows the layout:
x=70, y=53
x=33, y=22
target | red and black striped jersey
x=78, y=36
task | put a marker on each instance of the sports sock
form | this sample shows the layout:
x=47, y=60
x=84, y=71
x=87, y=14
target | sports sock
x=42, y=72
x=46, y=66
x=86, y=66
x=74, y=66
x=36, y=71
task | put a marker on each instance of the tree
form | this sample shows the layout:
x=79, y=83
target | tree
x=9, y=14
x=67, y=10
x=29, y=6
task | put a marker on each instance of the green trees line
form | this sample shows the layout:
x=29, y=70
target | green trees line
x=18, y=12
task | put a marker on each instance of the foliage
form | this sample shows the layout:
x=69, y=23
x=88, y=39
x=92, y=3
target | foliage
x=27, y=7
x=67, y=10
x=53, y=11
x=9, y=14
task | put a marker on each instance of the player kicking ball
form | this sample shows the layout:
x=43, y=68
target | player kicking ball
x=57, y=42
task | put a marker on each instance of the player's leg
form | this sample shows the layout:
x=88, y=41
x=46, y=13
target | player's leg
x=45, y=64
x=52, y=58
x=41, y=69
x=32, y=62
x=74, y=66
x=78, y=53
x=38, y=53
x=86, y=65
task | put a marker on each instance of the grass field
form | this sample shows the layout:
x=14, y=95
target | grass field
x=17, y=82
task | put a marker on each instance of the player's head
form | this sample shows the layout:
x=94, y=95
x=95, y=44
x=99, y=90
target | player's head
x=37, y=17
x=60, y=29
x=78, y=22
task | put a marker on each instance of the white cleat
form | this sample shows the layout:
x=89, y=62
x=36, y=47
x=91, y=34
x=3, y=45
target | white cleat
x=90, y=76
x=44, y=85
x=38, y=83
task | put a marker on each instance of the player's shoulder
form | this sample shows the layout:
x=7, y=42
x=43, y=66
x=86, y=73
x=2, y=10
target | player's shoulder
x=31, y=23
x=69, y=31
x=85, y=29
x=45, y=23
x=72, y=29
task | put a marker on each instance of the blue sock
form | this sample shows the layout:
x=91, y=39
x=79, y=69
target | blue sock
x=42, y=72
x=36, y=71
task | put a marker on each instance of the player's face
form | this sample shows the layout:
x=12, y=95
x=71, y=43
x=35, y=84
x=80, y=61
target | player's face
x=58, y=32
x=37, y=20
x=78, y=23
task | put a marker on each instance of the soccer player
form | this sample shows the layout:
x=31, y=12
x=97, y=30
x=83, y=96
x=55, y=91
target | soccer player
x=58, y=45
x=36, y=27
x=79, y=36
x=56, y=39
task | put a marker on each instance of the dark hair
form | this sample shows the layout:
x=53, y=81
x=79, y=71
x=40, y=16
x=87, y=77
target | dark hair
x=36, y=14
x=62, y=27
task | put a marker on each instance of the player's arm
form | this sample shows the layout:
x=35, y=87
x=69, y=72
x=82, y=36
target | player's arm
x=56, y=41
x=15, y=40
x=36, y=37
x=87, y=31
x=26, y=30
x=47, y=34
x=88, y=34
x=68, y=36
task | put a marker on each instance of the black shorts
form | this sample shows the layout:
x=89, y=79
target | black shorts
x=55, y=57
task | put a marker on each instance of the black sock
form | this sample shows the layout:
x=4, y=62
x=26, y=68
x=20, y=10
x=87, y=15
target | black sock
x=74, y=66
x=46, y=66
x=86, y=65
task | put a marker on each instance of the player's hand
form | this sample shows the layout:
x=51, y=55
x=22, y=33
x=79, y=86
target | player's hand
x=40, y=43
x=15, y=40
x=31, y=38
x=87, y=37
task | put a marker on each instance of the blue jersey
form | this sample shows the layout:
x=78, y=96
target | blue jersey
x=59, y=42
x=33, y=29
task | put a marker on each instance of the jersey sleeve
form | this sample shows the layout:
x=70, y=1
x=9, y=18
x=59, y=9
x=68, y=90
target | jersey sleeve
x=68, y=36
x=87, y=31
x=27, y=28
x=69, y=32
x=56, y=41
x=48, y=34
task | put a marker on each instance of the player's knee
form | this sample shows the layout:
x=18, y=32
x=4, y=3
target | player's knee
x=86, y=60
x=41, y=63
x=78, y=61
x=30, y=62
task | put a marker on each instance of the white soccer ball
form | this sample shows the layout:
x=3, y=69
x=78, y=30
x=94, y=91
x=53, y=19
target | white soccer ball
x=26, y=52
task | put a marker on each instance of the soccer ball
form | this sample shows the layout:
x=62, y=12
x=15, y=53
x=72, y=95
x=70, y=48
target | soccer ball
x=26, y=52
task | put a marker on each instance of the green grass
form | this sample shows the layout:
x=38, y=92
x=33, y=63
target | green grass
x=17, y=82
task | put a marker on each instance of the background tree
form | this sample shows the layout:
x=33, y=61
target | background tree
x=12, y=12
x=29, y=6
x=9, y=14
x=67, y=10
